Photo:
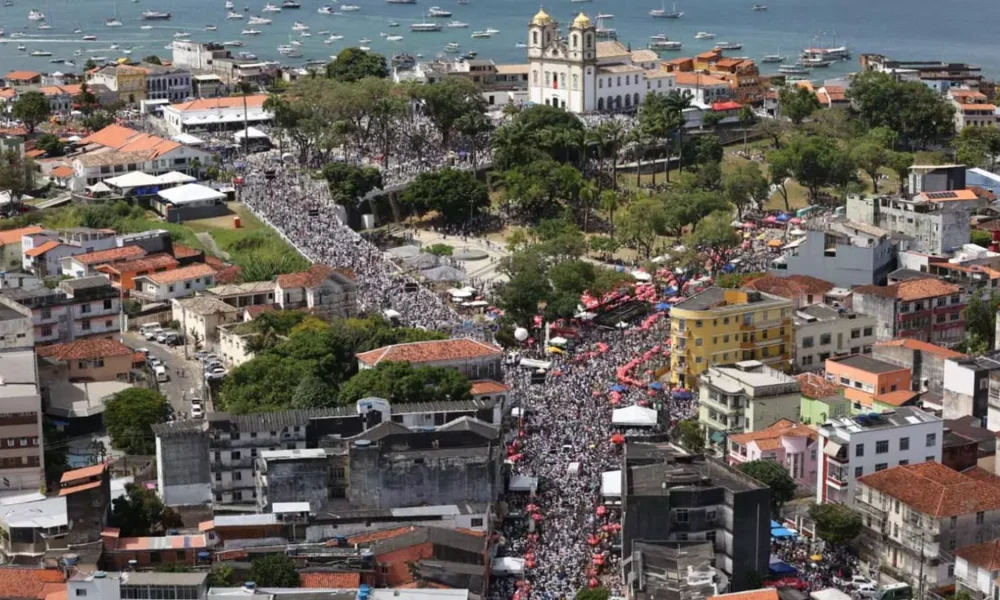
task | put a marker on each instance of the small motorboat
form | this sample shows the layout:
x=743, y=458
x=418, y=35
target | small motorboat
x=145, y=27
x=458, y=25
x=210, y=28
x=393, y=24
x=22, y=47
x=90, y=38
x=349, y=8
x=452, y=48
x=41, y=53
x=271, y=8
x=325, y=10
x=112, y=23
x=232, y=15
x=300, y=27
x=394, y=38
x=704, y=35
x=251, y=32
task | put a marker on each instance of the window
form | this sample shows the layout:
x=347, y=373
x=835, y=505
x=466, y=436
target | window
x=698, y=342
x=85, y=324
x=710, y=515
x=476, y=522
x=859, y=450
x=807, y=360
x=931, y=439
x=681, y=515
x=980, y=517
x=904, y=463
x=881, y=466
x=858, y=472
x=84, y=308
x=80, y=592
x=855, y=334
x=954, y=522
x=824, y=339
x=881, y=446
x=868, y=331
x=235, y=456
x=845, y=381
x=904, y=443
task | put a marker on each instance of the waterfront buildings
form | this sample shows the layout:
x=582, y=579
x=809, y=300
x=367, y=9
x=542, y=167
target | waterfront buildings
x=852, y=447
x=972, y=108
x=721, y=326
x=216, y=114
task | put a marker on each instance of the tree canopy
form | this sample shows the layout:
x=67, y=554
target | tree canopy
x=274, y=570
x=31, y=108
x=141, y=513
x=815, y=162
x=457, y=195
x=835, y=523
x=536, y=132
x=797, y=103
x=129, y=416
x=773, y=476
x=919, y=115
x=354, y=64
x=400, y=382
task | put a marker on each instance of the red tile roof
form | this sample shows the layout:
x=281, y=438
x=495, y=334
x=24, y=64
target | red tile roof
x=433, y=351
x=84, y=473
x=149, y=263
x=22, y=76
x=255, y=101
x=181, y=251
x=174, y=275
x=761, y=594
x=986, y=556
x=790, y=287
x=85, y=349
x=774, y=433
x=40, y=250
x=935, y=490
x=18, y=584
x=228, y=274
x=913, y=289
x=310, y=278
x=330, y=580
x=816, y=386
x=66, y=491
x=367, y=538
x=897, y=398
x=110, y=255
x=13, y=236
x=923, y=347
x=62, y=172
x=485, y=386
x=112, y=136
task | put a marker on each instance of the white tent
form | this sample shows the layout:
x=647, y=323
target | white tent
x=531, y=363
x=132, y=180
x=99, y=187
x=573, y=469
x=507, y=565
x=191, y=193
x=251, y=132
x=175, y=177
x=611, y=484
x=633, y=416
x=558, y=341
x=522, y=483
x=188, y=140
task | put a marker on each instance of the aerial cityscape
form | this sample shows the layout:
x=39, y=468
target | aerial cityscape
x=329, y=301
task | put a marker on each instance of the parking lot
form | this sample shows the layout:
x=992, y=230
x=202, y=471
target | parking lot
x=185, y=375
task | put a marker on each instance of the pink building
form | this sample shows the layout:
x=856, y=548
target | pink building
x=789, y=444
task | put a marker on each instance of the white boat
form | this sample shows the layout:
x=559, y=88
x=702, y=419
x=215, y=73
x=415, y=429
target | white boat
x=452, y=48
x=36, y=15
x=290, y=4
x=382, y=34
x=22, y=47
x=77, y=30
x=154, y=15
x=476, y=35
x=520, y=45
x=90, y=38
x=666, y=45
x=112, y=23
x=295, y=43
x=127, y=51
x=364, y=41
x=457, y=25
x=729, y=46
x=758, y=7
x=305, y=34
x=44, y=27
x=425, y=26
x=365, y=48
x=393, y=24
x=114, y=47
x=230, y=15
x=229, y=4
x=658, y=36
x=233, y=43
x=325, y=10
x=663, y=13
x=293, y=53
x=75, y=53
x=41, y=53
x=815, y=62
x=182, y=34
x=393, y=38
x=333, y=38
x=773, y=58
x=837, y=53
x=704, y=35
x=98, y=58
x=250, y=32
x=246, y=55
x=300, y=27
x=793, y=70
x=271, y=8
x=211, y=28
x=349, y=8
x=324, y=32
x=438, y=12
x=401, y=1
x=259, y=21
x=492, y=31
x=605, y=16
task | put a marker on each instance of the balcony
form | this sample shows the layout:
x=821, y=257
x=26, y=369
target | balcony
x=226, y=486
x=863, y=506
x=224, y=464
x=838, y=474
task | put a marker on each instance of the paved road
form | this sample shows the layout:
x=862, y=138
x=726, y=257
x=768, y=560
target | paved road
x=185, y=375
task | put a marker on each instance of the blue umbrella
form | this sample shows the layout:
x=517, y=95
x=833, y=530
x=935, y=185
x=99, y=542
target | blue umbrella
x=656, y=385
x=671, y=291
x=682, y=395
x=618, y=388
x=662, y=306
x=782, y=218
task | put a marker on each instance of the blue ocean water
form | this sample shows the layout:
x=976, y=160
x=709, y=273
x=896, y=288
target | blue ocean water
x=955, y=30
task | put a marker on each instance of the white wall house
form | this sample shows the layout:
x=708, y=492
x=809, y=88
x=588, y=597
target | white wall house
x=178, y=283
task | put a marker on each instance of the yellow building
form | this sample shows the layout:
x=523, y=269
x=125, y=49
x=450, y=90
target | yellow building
x=131, y=84
x=722, y=326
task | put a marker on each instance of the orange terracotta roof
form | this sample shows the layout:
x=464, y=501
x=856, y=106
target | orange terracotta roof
x=986, y=556
x=228, y=274
x=34, y=153
x=51, y=90
x=85, y=349
x=174, y=275
x=40, y=250
x=13, y=236
x=897, y=398
x=110, y=255
x=330, y=580
x=485, y=386
x=696, y=79
x=913, y=289
x=761, y=594
x=59, y=594
x=84, y=473
x=310, y=278
x=159, y=146
x=961, y=93
x=112, y=136
x=7, y=93
x=258, y=309
x=367, y=538
x=22, y=76
x=923, y=347
x=816, y=386
x=149, y=263
x=23, y=584
x=79, y=488
x=474, y=532
x=182, y=251
x=73, y=89
x=790, y=287
x=256, y=101
x=933, y=489
x=62, y=172
x=432, y=351
x=773, y=434
x=988, y=107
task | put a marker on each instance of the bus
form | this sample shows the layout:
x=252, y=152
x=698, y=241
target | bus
x=895, y=591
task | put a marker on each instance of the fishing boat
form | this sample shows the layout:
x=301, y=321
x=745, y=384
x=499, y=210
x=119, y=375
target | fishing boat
x=211, y=28
x=112, y=23
x=458, y=25
x=36, y=15
x=290, y=4
x=16, y=35
x=773, y=58
x=251, y=32
x=233, y=15
x=452, y=48
x=492, y=31
x=605, y=16
x=476, y=35
x=425, y=26
x=246, y=55
x=300, y=26
x=393, y=38
x=90, y=38
x=349, y=8
x=667, y=45
x=254, y=20
x=793, y=70
x=271, y=8
x=41, y=53
x=729, y=46
x=44, y=26
x=439, y=13
x=393, y=24
x=657, y=36
x=182, y=34
x=704, y=35
x=815, y=62
x=154, y=15
x=229, y=4
x=325, y=10
x=758, y=7
x=663, y=13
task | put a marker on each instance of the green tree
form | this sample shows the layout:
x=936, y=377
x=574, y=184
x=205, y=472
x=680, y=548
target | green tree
x=440, y=249
x=980, y=238
x=745, y=187
x=774, y=129
x=747, y=120
x=870, y=157
x=599, y=593
x=977, y=146
x=655, y=123
x=455, y=194
x=536, y=133
x=98, y=120
x=642, y=223
x=797, y=103
x=152, y=59
x=129, y=416
x=711, y=119
x=536, y=190
x=473, y=125
x=835, y=523
x=17, y=177
x=141, y=513
x=31, y=108
x=604, y=245
x=274, y=570
x=773, y=476
x=355, y=64
x=736, y=280
x=918, y=114
x=50, y=144
x=900, y=163
x=692, y=435
x=980, y=323
x=350, y=183
x=448, y=101
x=405, y=383
x=221, y=576
x=815, y=162
x=677, y=102
x=715, y=231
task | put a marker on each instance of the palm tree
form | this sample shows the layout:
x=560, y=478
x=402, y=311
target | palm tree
x=677, y=103
x=747, y=118
x=613, y=135
x=610, y=202
x=245, y=88
x=472, y=125
x=639, y=138
x=590, y=195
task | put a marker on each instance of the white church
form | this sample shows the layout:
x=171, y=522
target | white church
x=581, y=74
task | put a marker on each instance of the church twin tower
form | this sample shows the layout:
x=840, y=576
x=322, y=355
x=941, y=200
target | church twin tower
x=563, y=69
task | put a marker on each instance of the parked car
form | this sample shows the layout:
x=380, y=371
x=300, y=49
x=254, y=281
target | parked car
x=859, y=580
x=155, y=362
x=867, y=590
x=152, y=332
x=215, y=372
x=164, y=334
x=174, y=339
x=197, y=411
x=161, y=374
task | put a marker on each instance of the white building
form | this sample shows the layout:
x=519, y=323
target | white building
x=216, y=114
x=852, y=447
x=176, y=283
x=200, y=318
x=134, y=585
x=22, y=467
x=318, y=288
x=823, y=332
x=977, y=569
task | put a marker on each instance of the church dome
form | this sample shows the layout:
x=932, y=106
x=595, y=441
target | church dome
x=581, y=21
x=542, y=18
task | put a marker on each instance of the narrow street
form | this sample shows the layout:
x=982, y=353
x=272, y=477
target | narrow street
x=185, y=375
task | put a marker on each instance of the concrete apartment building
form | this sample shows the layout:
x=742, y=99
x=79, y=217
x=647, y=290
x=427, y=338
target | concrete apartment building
x=722, y=326
x=823, y=331
x=319, y=288
x=850, y=448
x=77, y=308
x=22, y=468
x=925, y=361
x=744, y=397
x=175, y=283
x=972, y=109
x=802, y=290
x=929, y=310
x=668, y=496
x=294, y=476
x=977, y=570
x=847, y=254
x=865, y=379
x=922, y=515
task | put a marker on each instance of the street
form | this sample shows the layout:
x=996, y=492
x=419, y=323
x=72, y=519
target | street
x=185, y=375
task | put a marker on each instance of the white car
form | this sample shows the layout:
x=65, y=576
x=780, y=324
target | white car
x=152, y=332
x=215, y=372
x=197, y=411
x=163, y=335
x=860, y=580
x=867, y=590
